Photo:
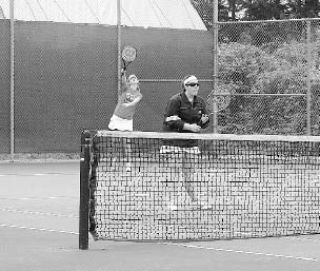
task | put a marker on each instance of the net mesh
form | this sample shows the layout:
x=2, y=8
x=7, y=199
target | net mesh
x=163, y=186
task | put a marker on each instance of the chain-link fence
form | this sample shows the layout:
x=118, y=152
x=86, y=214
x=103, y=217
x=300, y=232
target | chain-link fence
x=273, y=68
x=60, y=71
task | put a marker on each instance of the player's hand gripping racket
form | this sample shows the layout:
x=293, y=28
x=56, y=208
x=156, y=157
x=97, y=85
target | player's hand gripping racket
x=128, y=55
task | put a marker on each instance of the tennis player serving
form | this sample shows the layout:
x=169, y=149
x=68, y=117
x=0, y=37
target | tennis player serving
x=122, y=118
x=186, y=112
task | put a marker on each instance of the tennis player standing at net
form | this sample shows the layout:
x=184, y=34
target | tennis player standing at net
x=122, y=118
x=186, y=113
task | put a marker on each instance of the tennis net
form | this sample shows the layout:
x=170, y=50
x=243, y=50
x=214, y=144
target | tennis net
x=168, y=186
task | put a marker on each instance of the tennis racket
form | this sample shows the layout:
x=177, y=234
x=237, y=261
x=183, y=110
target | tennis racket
x=128, y=55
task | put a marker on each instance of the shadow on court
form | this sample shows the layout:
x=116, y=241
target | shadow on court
x=39, y=231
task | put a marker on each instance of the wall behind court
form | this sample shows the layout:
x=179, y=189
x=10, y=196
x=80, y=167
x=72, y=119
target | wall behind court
x=4, y=87
x=66, y=79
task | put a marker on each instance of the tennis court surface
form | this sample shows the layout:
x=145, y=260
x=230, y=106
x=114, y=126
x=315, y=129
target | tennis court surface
x=39, y=231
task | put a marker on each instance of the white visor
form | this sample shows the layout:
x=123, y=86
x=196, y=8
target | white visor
x=190, y=79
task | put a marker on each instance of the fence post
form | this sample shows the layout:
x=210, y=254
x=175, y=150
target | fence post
x=12, y=124
x=215, y=62
x=84, y=190
x=119, y=47
x=309, y=72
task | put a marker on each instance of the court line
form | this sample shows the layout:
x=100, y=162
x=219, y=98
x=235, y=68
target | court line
x=178, y=245
x=28, y=212
x=246, y=252
x=37, y=229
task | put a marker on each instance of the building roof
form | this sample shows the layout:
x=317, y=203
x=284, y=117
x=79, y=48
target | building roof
x=142, y=13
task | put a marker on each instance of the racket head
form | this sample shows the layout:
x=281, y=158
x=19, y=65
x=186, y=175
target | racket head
x=129, y=54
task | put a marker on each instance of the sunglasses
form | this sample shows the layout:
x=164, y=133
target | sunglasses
x=193, y=84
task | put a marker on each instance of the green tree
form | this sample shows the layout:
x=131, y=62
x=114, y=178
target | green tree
x=228, y=10
x=232, y=10
x=277, y=9
x=253, y=70
x=264, y=9
x=303, y=8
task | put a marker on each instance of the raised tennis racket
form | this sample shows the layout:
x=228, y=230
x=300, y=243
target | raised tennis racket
x=128, y=55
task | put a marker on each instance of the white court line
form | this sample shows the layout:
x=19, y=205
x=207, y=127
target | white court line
x=28, y=212
x=246, y=252
x=178, y=245
x=36, y=229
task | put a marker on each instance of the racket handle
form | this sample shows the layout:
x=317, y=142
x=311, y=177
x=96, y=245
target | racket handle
x=124, y=66
x=123, y=72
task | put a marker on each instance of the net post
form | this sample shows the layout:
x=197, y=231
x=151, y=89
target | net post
x=84, y=190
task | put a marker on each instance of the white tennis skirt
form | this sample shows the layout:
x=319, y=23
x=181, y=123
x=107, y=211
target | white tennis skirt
x=120, y=124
